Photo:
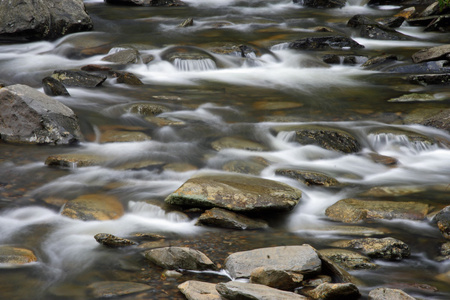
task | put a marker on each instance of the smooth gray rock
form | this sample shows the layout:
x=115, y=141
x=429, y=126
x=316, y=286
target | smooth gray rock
x=109, y=289
x=218, y=217
x=388, y=294
x=112, y=241
x=174, y=258
x=433, y=53
x=127, y=56
x=235, y=290
x=298, y=259
x=279, y=279
x=36, y=20
x=335, y=291
x=349, y=260
x=29, y=116
x=197, y=290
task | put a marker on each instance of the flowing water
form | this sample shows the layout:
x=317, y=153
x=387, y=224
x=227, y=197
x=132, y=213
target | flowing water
x=214, y=97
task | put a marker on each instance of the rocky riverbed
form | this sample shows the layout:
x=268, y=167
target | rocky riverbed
x=229, y=150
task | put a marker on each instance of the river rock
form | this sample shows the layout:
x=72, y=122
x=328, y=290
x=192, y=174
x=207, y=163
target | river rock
x=146, y=2
x=437, y=118
x=123, y=57
x=278, y=279
x=433, y=53
x=336, y=272
x=53, y=87
x=29, y=116
x=147, y=109
x=427, y=79
x=355, y=210
x=322, y=3
x=415, y=97
x=174, y=258
x=371, y=29
x=308, y=177
x=380, y=62
x=36, y=20
x=230, y=142
x=93, y=207
x=112, y=241
x=121, y=136
x=392, y=22
x=78, y=78
x=348, y=260
x=187, y=23
x=197, y=290
x=430, y=67
x=388, y=294
x=301, y=259
x=334, y=291
x=316, y=281
x=236, y=193
x=324, y=43
x=187, y=58
x=109, y=289
x=323, y=136
x=235, y=290
x=251, y=165
x=219, y=217
x=74, y=160
x=16, y=256
x=385, y=248
x=442, y=220
x=127, y=78
x=348, y=60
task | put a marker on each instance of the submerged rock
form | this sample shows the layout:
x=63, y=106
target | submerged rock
x=279, y=279
x=197, y=290
x=385, y=248
x=442, y=220
x=112, y=241
x=252, y=165
x=236, y=143
x=324, y=43
x=74, y=160
x=235, y=290
x=322, y=3
x=218, y=217
x=29, y=116
x=388, y=294
x=93, y=207
x=437, y=118
x=121, y=136
x=430, y=54
x=78, y=78
x=36, y=20
x=109, y=289
x=174, y=258
x=147, y=109
x=427, y=79
x=16, y=256
x=355, y=210
x=236, y=193
x=187, y=23
x=297, y=259
x=415, y=97
x=332, y=291
x=187, y=58
x=348, y=260
x=308, y=177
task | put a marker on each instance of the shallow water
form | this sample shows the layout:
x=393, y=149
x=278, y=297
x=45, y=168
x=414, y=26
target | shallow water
x=243, y=97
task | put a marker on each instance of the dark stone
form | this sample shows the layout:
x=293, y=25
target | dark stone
x=95, y=68
x=146, y=2
x=308, y=177
x=426, y=79
x=431, y=54
x=78, y=78
x=112, y=241
x=379, y=62
x=53, y=87
x=174, y=258
x=127, y=56
x=358, y=20
x=322, y=3
x=393, y=22
x=430, y=67
x=335, y=291
x=442, y=220
x=219, y=217
x=324, y=43
x=127, y=78
x=371, y=29
x=35, y=20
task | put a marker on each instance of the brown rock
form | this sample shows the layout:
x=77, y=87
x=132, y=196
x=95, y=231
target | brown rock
x=93, y=207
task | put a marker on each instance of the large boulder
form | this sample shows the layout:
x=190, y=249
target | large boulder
x=235, y=290
x=39, y=19
x=29, y=116
x=236, y=193
x=354, y=210
x=301, y=259
x=173, y=258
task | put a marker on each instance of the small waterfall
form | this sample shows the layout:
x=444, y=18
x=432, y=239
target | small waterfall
x=286, y=136
x=390, y=140
x=278, y=47
x=194, y=64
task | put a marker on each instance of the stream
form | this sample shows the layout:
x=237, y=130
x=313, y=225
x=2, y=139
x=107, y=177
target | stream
x=246, y=98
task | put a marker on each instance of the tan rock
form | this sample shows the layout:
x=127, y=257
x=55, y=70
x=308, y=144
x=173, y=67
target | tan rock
x=12, y=255
x=93, y=207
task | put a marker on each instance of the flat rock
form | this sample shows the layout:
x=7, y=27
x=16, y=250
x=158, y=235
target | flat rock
x=297, y=259
x=74, y=160
x=332, y=291
x=388, y=294
x=437, y=118
x=433, y=53
x=174, y=258
x=93, y=207
x=121, y=136
x=29, y=116
x=16, y=256
x=109, y=289
x=339, y=274
x=127, y=56
x=416, y=97
x=354, y=210
x=348, y=260
x=279, y=279
x=218, y=217
x=112, y=241
x=235, y=290
x=427, y=79
x=236, y=143
x=308, y=177
x=325, y=43
x=197, y=290
x=236, y=193
x=78, y=78
x=251, y=165
x=322, y=3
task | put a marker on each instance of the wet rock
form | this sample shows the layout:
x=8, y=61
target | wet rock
x=322, y=3
x=348, y=60
x=74, y=160
x=337, y=273
x=442, y=220
x=415, y=97
x=112, y=241
x=53, y=87
x=388, y=294
x=316, y=281
x=333, y=291
x=174, y=258
x=279, y=279
x=393, y=22
x=197, y=290
x=120, y=136
x=371, y=29
x=146, y=2
x=236, y=143
x=187, y=23
x=235, y=290
x=93, y=207
x=109, y=289
x=31, y=20
x=236, y=193
x=253, y=166
x=323, y=136
x=16, y=256
x=95, y=68
x=78, y=78
x=427, y=79
x=124, y=57
x=348, y=260
x=379, y=62
x=399, y=135
x=355, y=210
x=385, y=248
x=186, y=58
x=431, y=67
x=218, y=217
x=308, y=177
x=180, y=167
x=406, y=13
x=383, y=159
x=430, y=54
x=147, y=109
x=297, y=259
x=127, y=78
x=439, y=23
x=31, y=117
x=436, y=118
x=392, y=191
x=324, y=43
